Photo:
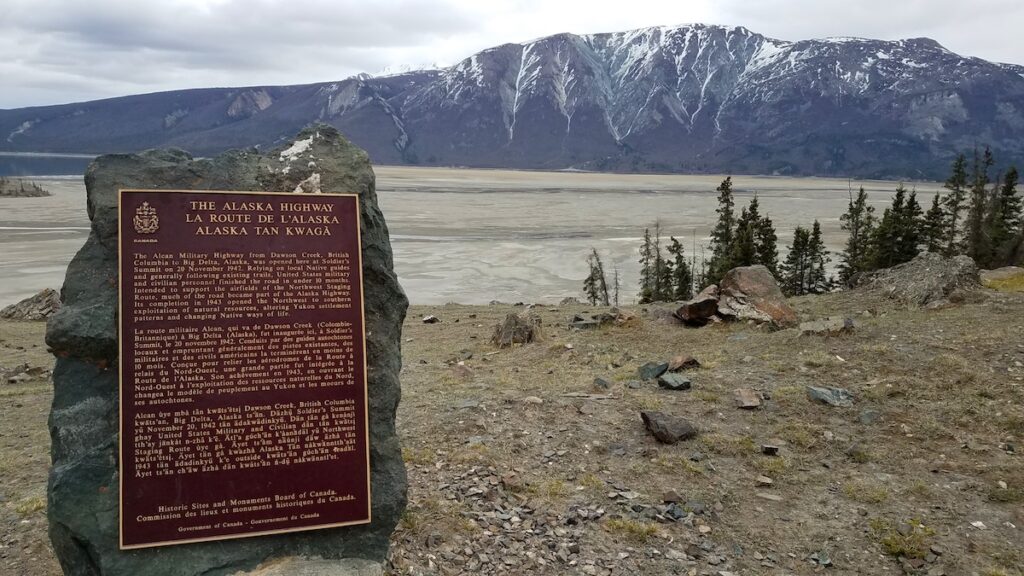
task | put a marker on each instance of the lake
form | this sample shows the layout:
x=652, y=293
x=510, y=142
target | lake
x=472, y=236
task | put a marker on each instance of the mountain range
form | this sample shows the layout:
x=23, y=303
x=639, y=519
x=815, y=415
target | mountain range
x=691, y=98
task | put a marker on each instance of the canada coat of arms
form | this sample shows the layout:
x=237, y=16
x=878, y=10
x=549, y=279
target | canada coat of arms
x=146, y=220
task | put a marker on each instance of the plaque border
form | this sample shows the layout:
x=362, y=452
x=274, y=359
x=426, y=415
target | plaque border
x=120, y=380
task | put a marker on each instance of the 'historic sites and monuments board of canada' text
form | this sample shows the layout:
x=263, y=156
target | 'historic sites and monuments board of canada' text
x=243, y=379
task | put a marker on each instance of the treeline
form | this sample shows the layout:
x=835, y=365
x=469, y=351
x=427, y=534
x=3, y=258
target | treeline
x=980, y=215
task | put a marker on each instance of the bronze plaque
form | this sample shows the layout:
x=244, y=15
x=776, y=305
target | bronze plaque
x=242, y=365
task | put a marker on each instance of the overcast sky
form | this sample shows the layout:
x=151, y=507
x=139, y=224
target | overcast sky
x=57, y=51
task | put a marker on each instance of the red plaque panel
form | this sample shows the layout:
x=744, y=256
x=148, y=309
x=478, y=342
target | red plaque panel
x=242, y=359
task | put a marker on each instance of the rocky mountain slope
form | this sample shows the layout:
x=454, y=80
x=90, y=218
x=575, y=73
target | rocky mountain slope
x=691, y=98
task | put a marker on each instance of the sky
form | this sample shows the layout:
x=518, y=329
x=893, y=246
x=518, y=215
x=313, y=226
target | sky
x=59, y=51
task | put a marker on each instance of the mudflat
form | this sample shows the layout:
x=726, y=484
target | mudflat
x=472, y=236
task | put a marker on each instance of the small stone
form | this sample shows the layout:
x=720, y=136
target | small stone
x=634, y=384
x=431, y=319
x=652, y=370
x=671, y=496
x=532, y=400
x=672, y=381
x=937, y=549
x=681, y=362
x=839, y=397
x=827, y=327
x=602, y=383
x=704, y=529
x=666, y=428
x=746, y=398
x=979, y=525
x=764, y=481
x=767, y=496
x=769, y=450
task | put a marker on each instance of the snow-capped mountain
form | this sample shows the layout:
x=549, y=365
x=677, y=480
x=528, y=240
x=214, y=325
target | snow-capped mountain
x=691, y=98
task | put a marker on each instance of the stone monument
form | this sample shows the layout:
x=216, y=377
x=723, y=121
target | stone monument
x=84, y=499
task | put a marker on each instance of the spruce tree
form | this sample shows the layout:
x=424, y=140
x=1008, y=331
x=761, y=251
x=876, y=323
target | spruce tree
x=954, y=203
x=859, y=221
x=817, y=257
x=647, y=268
x=682, y=276
x=910, y=228
x=744, y=248
x=661, y=291
x=976, y=241
x=1007, y=220
x=794, y=276
x=616, y=285
x=767, y=249
x=933, y=229
x=595, y=286
x=723, y=234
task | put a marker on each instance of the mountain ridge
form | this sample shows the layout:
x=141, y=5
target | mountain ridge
x=687, y=98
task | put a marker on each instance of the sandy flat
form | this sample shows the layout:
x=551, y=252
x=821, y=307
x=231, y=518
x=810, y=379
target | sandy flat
x=471, y=236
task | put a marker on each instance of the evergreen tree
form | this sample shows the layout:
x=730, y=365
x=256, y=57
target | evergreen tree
x=794, y=277
x=767, y=249
x=817, y=256
x=954, y=203
x=933, y=229
x=682, y=276
x=661, y=291
x=976, y=241
x=595, y=286
x=1007, y=220
x=754, y=240
x=744, y=249
x=897, y=236
x=647, y=268
x=910, y=228
x=859, y=221
x=722, y=235
x=616, y=285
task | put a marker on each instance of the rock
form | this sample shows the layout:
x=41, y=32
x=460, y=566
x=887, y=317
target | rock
x=584, y=324
x=697, y=312
x=602, y=383
x=840, y=397
x=532, y=400
x=769, y=449
x=830, y=326
x=771, y=497
x=667, y=429
x=38, y=307
x=928, y=278
x=651, y=370
x=296, y=566
x=431, y=320
x=994, y=277
x=751, y=293
x=670, y=381
x=569, y=301
x=517, y=329
x=83, y=483
x=671, y=496
x=764, y=481
x=746, y=398
x=680, y=362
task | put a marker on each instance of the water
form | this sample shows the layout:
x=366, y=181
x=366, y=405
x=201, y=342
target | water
x=472, y=236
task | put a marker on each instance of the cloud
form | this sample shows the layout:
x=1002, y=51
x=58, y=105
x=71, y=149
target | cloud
x=67, y=50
